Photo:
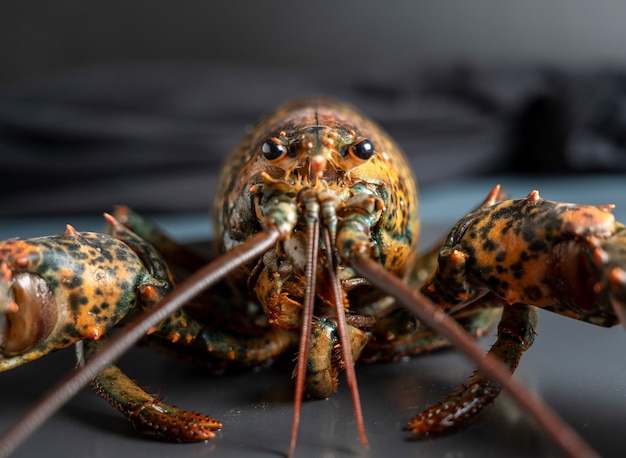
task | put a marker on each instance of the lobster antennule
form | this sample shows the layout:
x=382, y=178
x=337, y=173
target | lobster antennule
x=345, y=343
x=312, y=217
x=307, y=314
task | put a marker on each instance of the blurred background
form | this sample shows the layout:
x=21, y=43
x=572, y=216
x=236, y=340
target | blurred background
x=138, y=102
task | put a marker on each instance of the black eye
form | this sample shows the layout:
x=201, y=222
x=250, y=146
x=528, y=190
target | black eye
x=273, y=149
x=362, y=149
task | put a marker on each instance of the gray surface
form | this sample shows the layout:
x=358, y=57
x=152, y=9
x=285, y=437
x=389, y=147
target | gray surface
x=577, y=368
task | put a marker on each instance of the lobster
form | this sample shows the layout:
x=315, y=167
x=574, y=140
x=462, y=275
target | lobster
x=316, y=235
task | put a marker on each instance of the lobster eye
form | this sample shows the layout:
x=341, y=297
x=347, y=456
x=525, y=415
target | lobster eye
x=273, y=149
x=361, y=149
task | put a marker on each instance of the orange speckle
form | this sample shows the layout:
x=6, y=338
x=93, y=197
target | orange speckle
x=607, y=208
x=318, y=164
x=114, y=223
x=12, y=307
x=600, y=256
x=534, y=196
x=597, y=287
x=93, y=332
x=6, y=273
x=492, y=197
x=71, y=232
x=149, y=293
x=457, y=257
x=618, y=276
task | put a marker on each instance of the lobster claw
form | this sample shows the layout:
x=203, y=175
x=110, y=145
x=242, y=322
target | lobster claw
x=617, y=293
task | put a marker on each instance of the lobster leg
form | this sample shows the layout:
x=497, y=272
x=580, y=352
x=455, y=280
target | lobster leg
x=140, y=407
x=145, y=411
x=218, y=347
x=393, y=339
x=516, y=332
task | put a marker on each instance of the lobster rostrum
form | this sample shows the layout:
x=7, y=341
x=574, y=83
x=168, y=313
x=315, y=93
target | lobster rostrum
x=316, y=235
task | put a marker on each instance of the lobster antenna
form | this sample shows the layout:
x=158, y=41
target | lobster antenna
x=64, y=390
x=344, y=339
x=563, y=435
x=312, y=246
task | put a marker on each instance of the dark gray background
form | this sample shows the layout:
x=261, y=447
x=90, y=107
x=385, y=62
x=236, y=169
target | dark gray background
x=40, y=36
x=137, y=103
